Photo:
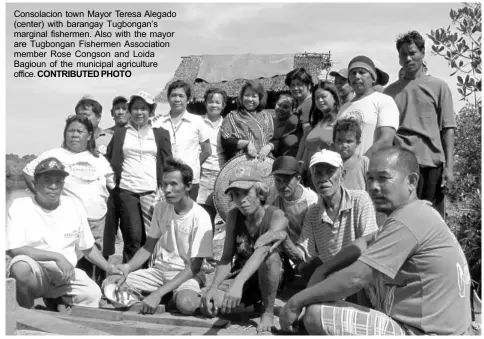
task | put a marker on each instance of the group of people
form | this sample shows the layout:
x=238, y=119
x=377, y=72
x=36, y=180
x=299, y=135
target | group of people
x=359, y=176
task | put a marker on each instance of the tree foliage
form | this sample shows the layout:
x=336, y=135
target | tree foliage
x=461, y=47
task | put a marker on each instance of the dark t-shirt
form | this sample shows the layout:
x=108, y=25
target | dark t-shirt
x=422, y=279
x=426, y=108
x=286, y=138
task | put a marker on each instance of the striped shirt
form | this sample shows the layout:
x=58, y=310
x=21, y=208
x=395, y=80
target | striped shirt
x=322, y=238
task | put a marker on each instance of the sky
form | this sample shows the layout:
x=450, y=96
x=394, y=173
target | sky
x=36, y=108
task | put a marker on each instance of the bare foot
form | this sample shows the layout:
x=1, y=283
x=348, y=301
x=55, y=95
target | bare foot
x=266, y=321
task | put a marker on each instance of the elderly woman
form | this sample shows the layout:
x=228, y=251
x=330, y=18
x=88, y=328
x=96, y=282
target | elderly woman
x=255, y=274
x=286, y=124
x=249, y=129
x=89, y=178
x=326, y=103
x=136, y=154
x=376, y=112
x=215, y=101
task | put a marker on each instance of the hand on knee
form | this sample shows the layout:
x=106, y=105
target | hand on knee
x=187, y=302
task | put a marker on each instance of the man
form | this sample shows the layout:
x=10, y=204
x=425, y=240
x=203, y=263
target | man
x=340, y=217
x=292, y=198
x=427, y=120
x=417, y=272
x=189, y=136
x=89, y=107
x=43, y=233
x=179, y=238
x=119, y=112
x=345, y=91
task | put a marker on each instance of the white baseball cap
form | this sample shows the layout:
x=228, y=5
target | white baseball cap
x=327, y=157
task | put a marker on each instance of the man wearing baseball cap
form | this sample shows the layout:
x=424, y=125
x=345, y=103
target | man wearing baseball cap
x=43, y=233
x=345, y=91
x=119, y=112
x=339, y=217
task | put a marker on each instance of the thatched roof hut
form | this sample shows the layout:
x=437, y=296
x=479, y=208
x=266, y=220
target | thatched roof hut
x=229, y=72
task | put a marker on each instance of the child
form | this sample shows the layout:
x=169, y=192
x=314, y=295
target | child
x=286, y=122
x=346, y=138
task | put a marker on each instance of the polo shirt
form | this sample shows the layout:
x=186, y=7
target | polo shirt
x=186, y=138
x=217, y=159
x=139, y=164
x=323, y=238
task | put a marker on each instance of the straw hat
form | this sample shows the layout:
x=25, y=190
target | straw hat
x=221, y=200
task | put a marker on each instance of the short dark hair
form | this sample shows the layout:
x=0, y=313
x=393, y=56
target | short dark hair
x=91, y=143
x=411, y=37
x=300, y=74
x=288, y=97
x=257, y=87
x=209, y=93
x=186, y=171
x=180, y=84
x=405, y=159
x=315, y=115
x=347, y=125
x=96, y=109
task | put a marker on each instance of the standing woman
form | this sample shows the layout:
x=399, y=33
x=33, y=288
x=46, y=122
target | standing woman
x=215, y=101
x=376, y=112
x=89, y=178
x=300, y=84
x=136, y=153
x=249, y=129
x=325, y=106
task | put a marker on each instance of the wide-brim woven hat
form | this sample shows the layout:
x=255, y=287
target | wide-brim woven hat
x=221, y=200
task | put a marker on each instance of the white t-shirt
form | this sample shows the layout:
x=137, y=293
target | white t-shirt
x=182, y=237
x=139, y=160
x=217, y=159
x=296, y=210
x=87, y=181
x=373, y=111
x=186, y=138
x=60, y=230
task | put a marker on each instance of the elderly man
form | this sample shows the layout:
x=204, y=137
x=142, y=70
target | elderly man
x=415, y=268
x=335, y=221
x=42, y=235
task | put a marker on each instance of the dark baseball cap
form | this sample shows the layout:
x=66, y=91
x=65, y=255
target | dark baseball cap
x=285, y=165
x=342, y=73
x=118, y=99
x=50, y=165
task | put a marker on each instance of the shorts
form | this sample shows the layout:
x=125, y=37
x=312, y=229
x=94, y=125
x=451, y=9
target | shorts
x=150, y=279
x=81, y=290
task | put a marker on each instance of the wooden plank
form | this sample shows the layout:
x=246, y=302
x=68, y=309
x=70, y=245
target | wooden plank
x=137, y=308
x=42, y=321
x=177, y=320
x=11, y=306
x=89, y=312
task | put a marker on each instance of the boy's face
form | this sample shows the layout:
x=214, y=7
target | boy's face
x=345, y=143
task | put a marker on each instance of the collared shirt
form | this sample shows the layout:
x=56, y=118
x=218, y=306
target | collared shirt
x=186, y=137
x=323, y=238
x=139, y=164
x=217, y=159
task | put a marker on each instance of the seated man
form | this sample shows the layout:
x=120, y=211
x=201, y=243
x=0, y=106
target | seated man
x=42, y=235
x=256, y=273
x=414, y=266
x=180, y=237
x=340, y=217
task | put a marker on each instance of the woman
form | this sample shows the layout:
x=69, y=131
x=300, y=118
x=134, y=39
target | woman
x=89, y=177
x=249, y=129
x=376, y=112
x=255, y=274
x=325, y=106
x=215, y=101
x=136, y=154
x=286, y=123
x=300, y=84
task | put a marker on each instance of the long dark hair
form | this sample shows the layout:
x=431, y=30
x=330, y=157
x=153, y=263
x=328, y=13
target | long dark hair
x=315, y=115
x=91, y=143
